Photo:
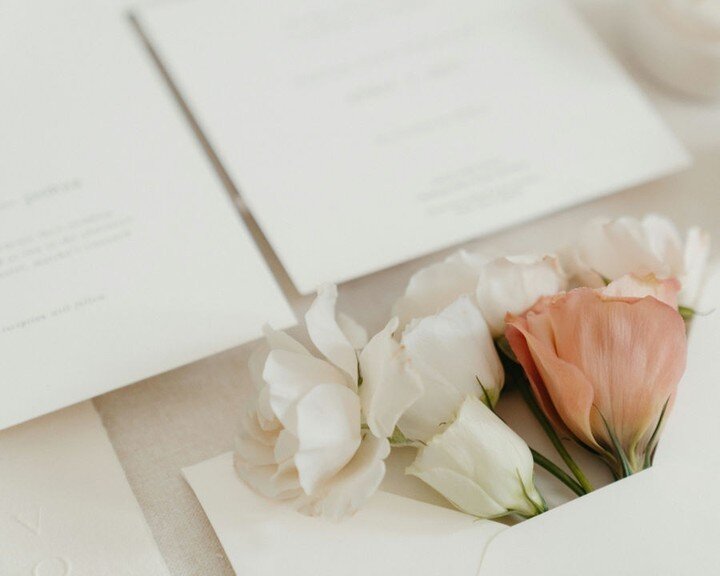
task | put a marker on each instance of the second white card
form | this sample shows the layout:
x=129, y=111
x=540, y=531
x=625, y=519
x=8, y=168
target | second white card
x=365, y=134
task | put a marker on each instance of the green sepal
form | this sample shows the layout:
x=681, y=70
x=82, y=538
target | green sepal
x=486, y=395
x=652, y=443
x=686, y=312
x=539, y=508
x=617, y=447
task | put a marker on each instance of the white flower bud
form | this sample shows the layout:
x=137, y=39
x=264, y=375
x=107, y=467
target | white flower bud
x=480, y=465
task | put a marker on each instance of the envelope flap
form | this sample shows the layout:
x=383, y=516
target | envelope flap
x=391, y=535
x=693, y=427
x=662, y=522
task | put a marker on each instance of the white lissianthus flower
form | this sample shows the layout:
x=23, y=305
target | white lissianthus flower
x=454, y=356
x=435, y=287
x=513, y=284
x=480, y=465
x=301, y=437
x=497, y=285
x=390, y=383
x=609, y=249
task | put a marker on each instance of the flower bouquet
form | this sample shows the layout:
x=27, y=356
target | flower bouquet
x=593, y=338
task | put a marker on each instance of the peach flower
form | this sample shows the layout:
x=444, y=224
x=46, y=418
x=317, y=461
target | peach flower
x=603, y=368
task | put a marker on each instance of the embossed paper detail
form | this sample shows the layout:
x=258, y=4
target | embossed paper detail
x=66, y=508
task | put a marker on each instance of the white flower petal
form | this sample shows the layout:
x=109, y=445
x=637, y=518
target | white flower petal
x=328, y=432
x=355, y=484
x=578, y=272
x=253, y=444
x=437, y=286
x=613, y=248
x=450, y=352
x=279, y=340
x=633, y=287
x=290, y=376
x=266, y=481
x=328, y=336
x=256, y=464
x=697, y=250
x=256, y=365
x=261, y=402
x=303, y=425
x=274, y=340
x=653, y=245
x=286, y=481
x=513, y=284
x=286, y=446
x=478, y=462
x=354, y=332
x=265, y=415
x=664, y=241
x=390, y=386
x=461, y=491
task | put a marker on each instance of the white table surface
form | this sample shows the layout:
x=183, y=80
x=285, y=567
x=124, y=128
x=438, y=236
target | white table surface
x=165, y=423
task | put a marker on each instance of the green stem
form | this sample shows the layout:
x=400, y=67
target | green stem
x=527, y=395
x=558, y=472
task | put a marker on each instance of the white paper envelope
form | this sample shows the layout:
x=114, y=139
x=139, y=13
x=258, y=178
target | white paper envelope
x=391, y=535
x=66, y=508
x=663, y=521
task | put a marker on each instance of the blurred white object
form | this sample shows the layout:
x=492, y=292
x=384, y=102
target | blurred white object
x=678, y=42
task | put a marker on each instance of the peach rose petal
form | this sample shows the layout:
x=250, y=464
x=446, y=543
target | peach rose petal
x=604, y=368
x=563, y=391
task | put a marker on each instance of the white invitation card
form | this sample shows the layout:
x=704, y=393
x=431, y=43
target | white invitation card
x=121, y=256
x=365, y=134
x=66, y=508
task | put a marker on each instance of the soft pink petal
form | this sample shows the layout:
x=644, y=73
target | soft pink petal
x=563, y=391
x=632, y=352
